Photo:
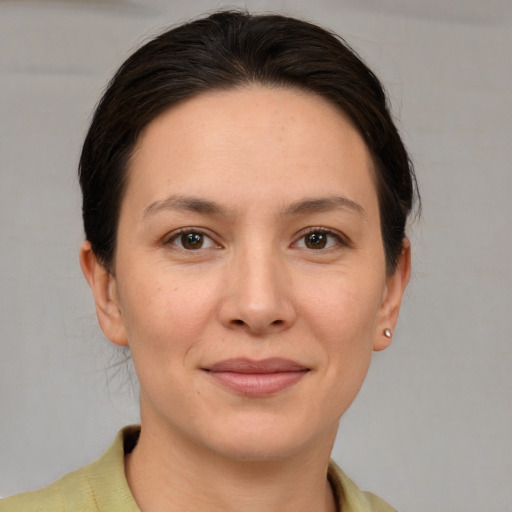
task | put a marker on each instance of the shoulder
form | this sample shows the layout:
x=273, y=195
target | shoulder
x=57, y=497
x=350, y=497
x=98, y=487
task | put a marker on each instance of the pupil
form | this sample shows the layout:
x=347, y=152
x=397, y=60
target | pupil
x=192, y=240
x=316, y=241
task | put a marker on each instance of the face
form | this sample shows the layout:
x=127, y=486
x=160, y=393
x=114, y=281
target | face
x=250, y=279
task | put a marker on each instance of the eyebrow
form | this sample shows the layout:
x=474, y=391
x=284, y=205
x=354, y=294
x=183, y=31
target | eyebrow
x=180, y=203
x=205, y=206
x=322, y=204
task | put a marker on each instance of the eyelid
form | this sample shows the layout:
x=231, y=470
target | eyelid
x=175, y=234
x=342, y=240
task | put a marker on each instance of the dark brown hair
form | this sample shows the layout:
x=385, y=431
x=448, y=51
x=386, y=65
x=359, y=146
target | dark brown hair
x=225, y=50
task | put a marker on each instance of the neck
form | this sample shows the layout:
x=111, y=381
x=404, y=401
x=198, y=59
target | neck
x=167, y=472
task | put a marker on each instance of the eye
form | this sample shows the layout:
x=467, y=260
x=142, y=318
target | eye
x=191, y=240
x=318, y=239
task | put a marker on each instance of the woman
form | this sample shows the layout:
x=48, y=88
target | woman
x=245, y=195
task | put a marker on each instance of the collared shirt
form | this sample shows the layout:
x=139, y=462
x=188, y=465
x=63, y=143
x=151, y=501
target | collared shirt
x=102, y=487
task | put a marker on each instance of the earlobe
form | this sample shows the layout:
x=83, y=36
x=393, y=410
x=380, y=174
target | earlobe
x=390, y=307
x=104, y=289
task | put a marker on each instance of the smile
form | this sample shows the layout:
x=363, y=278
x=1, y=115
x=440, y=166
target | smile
x=257, y=378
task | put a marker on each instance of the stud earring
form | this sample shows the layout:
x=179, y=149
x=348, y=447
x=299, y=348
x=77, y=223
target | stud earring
x=387, y=332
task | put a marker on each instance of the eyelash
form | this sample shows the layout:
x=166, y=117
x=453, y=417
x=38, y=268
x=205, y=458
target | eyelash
x=339, y=240
x=176, y=235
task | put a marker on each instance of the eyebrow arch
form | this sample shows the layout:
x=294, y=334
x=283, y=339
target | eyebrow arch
x=180, y=202
x=322, y=204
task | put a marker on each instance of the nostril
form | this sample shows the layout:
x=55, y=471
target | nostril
x=257, y=323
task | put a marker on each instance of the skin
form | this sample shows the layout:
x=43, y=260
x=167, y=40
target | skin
x=274, y=163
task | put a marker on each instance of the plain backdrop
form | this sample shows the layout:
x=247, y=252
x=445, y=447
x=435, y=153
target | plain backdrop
x=431, y=429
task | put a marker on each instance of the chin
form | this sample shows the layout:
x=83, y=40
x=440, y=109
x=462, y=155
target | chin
x=250, y=448
x=261, y=439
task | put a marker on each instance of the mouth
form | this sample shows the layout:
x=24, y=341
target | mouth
x=257, y=378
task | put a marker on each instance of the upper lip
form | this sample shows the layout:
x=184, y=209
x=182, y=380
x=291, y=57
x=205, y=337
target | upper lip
x=244, y=365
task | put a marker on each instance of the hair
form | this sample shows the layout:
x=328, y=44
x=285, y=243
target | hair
x=225, y=50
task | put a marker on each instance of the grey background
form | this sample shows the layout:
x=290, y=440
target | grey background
x=431, y=429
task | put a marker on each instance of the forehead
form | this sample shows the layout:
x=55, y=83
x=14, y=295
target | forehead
x=250, y=141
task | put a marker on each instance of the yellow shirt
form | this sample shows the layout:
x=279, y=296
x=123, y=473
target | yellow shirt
x=102, y=487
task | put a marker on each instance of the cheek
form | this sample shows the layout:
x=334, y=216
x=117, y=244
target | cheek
x=165, y=313
x=345, y=306
x=344, y=319
x=165, y=321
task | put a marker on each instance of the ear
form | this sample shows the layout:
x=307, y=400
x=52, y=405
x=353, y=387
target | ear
x=104, y=289
x=390, y=307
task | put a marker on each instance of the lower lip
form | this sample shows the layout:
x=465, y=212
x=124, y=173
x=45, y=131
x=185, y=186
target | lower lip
x=258, y=384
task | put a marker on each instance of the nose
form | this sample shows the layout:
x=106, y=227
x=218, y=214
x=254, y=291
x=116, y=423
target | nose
x=257, y=295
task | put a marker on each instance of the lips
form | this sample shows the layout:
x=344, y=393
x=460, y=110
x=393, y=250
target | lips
x=257, y=378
